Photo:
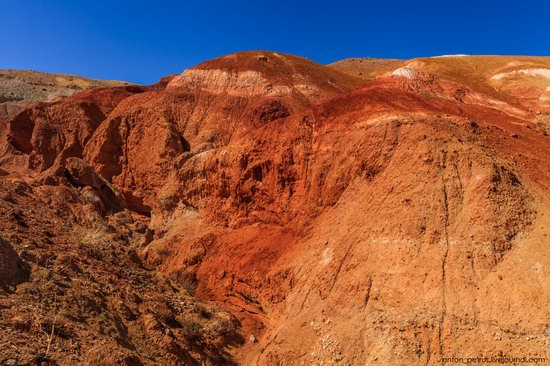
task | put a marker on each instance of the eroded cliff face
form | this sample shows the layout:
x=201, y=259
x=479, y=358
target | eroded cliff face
x=394, y=221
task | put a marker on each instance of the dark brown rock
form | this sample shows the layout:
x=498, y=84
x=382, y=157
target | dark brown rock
x=12, y=269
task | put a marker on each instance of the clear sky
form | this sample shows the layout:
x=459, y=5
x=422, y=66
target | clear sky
x=141, y=41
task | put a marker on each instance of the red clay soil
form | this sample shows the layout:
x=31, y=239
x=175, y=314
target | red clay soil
x=394, y=221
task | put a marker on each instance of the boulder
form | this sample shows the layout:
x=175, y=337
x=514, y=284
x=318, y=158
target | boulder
x=12, y=268
x=79, y=173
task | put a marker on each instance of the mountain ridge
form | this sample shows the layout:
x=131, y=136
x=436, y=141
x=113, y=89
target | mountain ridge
x=321, y=217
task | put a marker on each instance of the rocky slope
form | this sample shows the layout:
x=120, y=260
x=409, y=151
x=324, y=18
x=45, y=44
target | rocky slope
x=19, y=87
x=318, y=216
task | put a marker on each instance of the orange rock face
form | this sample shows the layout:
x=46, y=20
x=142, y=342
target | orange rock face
x=398, y=220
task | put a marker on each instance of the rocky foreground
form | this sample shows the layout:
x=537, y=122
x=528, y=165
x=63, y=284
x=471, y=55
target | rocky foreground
x=262, y=209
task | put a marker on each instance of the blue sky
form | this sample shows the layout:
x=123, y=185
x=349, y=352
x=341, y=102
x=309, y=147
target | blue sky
x=141, y=41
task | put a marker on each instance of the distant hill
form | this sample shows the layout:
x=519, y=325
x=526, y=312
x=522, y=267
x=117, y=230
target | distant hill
x=18, y=87
x=519, y=80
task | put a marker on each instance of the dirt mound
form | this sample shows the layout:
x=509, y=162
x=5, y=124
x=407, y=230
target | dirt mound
x=398, y=220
